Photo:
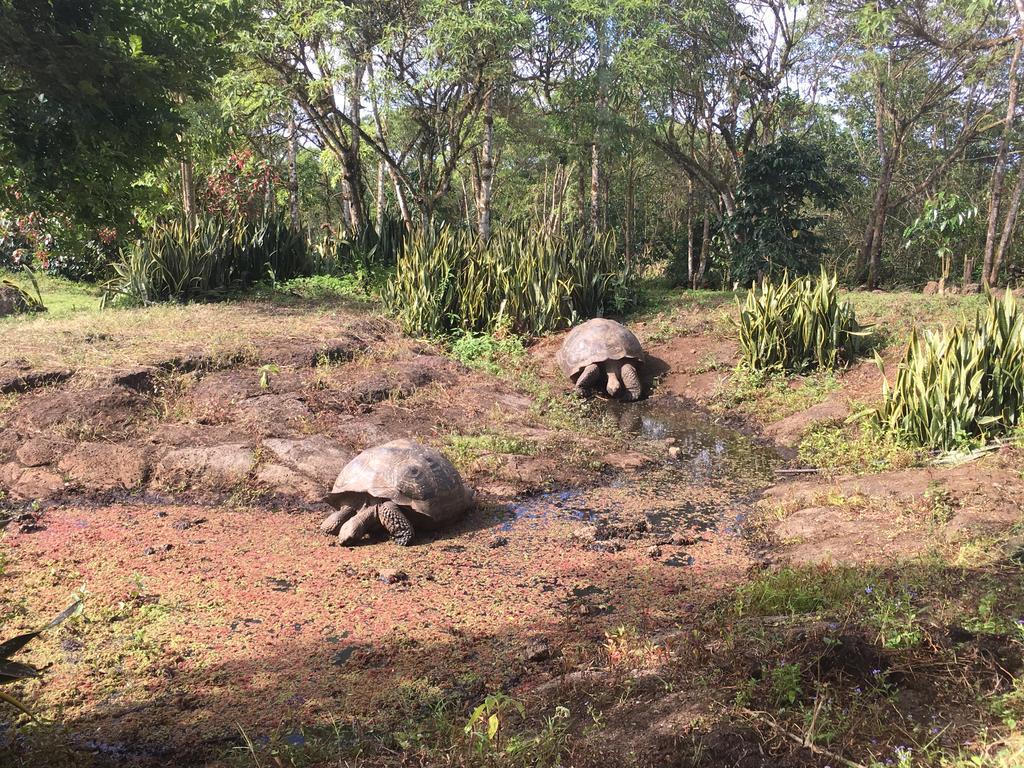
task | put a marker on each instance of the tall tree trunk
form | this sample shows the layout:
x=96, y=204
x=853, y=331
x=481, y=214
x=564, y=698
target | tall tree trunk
x=188, y=191
x=351, y=179
x=871, y=250
x=380, y=196
x=595, y=188
x=293, y=172
x=1009, y=224
x=698, y=279
x=691, y=254
x=988, y=276
x=600, y=106
x=485, y=185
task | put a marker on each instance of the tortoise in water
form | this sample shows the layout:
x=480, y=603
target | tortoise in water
x=396, y=487
x=602, y=354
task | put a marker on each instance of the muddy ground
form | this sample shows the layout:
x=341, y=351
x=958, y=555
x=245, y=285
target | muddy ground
x=672, y=573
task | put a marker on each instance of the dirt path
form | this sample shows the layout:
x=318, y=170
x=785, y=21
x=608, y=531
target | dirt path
x=177, y=491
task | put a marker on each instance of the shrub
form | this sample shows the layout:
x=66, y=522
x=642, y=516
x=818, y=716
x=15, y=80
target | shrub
x=446, y=279
x=797, y=325
x=961, y=385
x=178, y=262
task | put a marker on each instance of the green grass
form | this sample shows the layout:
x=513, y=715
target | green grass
x=62, y=298
x=772, y=397
x=854, y=449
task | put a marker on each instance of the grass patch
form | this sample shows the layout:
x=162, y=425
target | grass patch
x=856, y=449
x=492, y=352
x=469, y=450
x=62, y=298
x=771, y=397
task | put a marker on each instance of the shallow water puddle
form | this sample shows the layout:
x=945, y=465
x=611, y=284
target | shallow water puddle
x=701, y=479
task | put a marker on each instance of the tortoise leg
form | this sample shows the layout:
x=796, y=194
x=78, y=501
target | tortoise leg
x=631, y=380
x=614, y=385
x=396, y=523
x=588, y=379
x=362, y=523
x=335, y=520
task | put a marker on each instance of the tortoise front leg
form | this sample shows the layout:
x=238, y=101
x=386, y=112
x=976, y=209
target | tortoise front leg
x=588, y=379
x=396, y=523
x=614, y=385
x=631, y=380
x=359, y=525
x=335, y=520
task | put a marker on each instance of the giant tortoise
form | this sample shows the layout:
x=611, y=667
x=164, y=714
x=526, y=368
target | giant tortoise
x=602, y=354
x=396, y=487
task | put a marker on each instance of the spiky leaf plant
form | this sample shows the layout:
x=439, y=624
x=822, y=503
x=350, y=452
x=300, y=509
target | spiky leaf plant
x=959, y=385
x=12, y=671
x=798, y=324
x=527, y=280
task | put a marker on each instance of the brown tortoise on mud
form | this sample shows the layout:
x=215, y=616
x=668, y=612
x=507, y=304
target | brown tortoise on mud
x=602, y=349
x=396, y=487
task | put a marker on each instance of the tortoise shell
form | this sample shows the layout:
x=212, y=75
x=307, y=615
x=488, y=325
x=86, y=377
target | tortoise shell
x=596, y=341
x=415, y=477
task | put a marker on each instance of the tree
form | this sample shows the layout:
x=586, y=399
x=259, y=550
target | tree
x=90, y=95
x=782, y=189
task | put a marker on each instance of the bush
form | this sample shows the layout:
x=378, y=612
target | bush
x=178, y=262
x=961, y=385
x=445, y=279
x=797, y=325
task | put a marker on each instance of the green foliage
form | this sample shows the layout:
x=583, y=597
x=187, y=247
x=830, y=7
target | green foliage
x=368, y=257
x=34, y=303
x=532, y=282
x=799, y=590
x=957, y=386
x=12, y=671
x=177, y=262
x=849, y=449
x=491, y=352
x=786, y=684
x=796, y=325
x=772, y=229
x=941, y=226
x=90, y=95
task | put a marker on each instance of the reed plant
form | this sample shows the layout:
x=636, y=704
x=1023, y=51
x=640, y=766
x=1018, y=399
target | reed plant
x=798, y=324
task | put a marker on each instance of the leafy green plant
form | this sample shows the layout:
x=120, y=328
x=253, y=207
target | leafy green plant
x=12, y=671
x=786, y=684
x=530, y=282
x=491, y=352
x=796, y=325
x=942, y=223
x=33, y=303
x=265, y=372
x=178, y=262
x=960, y=385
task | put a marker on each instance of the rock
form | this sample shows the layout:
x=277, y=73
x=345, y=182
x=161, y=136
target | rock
x=156, y=550
x=21, y=377
x=970, y=289
x=681, y=540
x=654, y=552
x=392, y=576
x=675, y=452
x=218, y=466
x=288, y=482
x=33, y=483
x=498, y=541
x=184, y=523
x=931, y=288
x=107, y=466
x=317, y=457
x=12, y=301
x=538, y=651
x=1018, y=292
x=37, y=452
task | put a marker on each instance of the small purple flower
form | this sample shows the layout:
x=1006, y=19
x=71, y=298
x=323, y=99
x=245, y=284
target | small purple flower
x=868, y=590
x=876, y=672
